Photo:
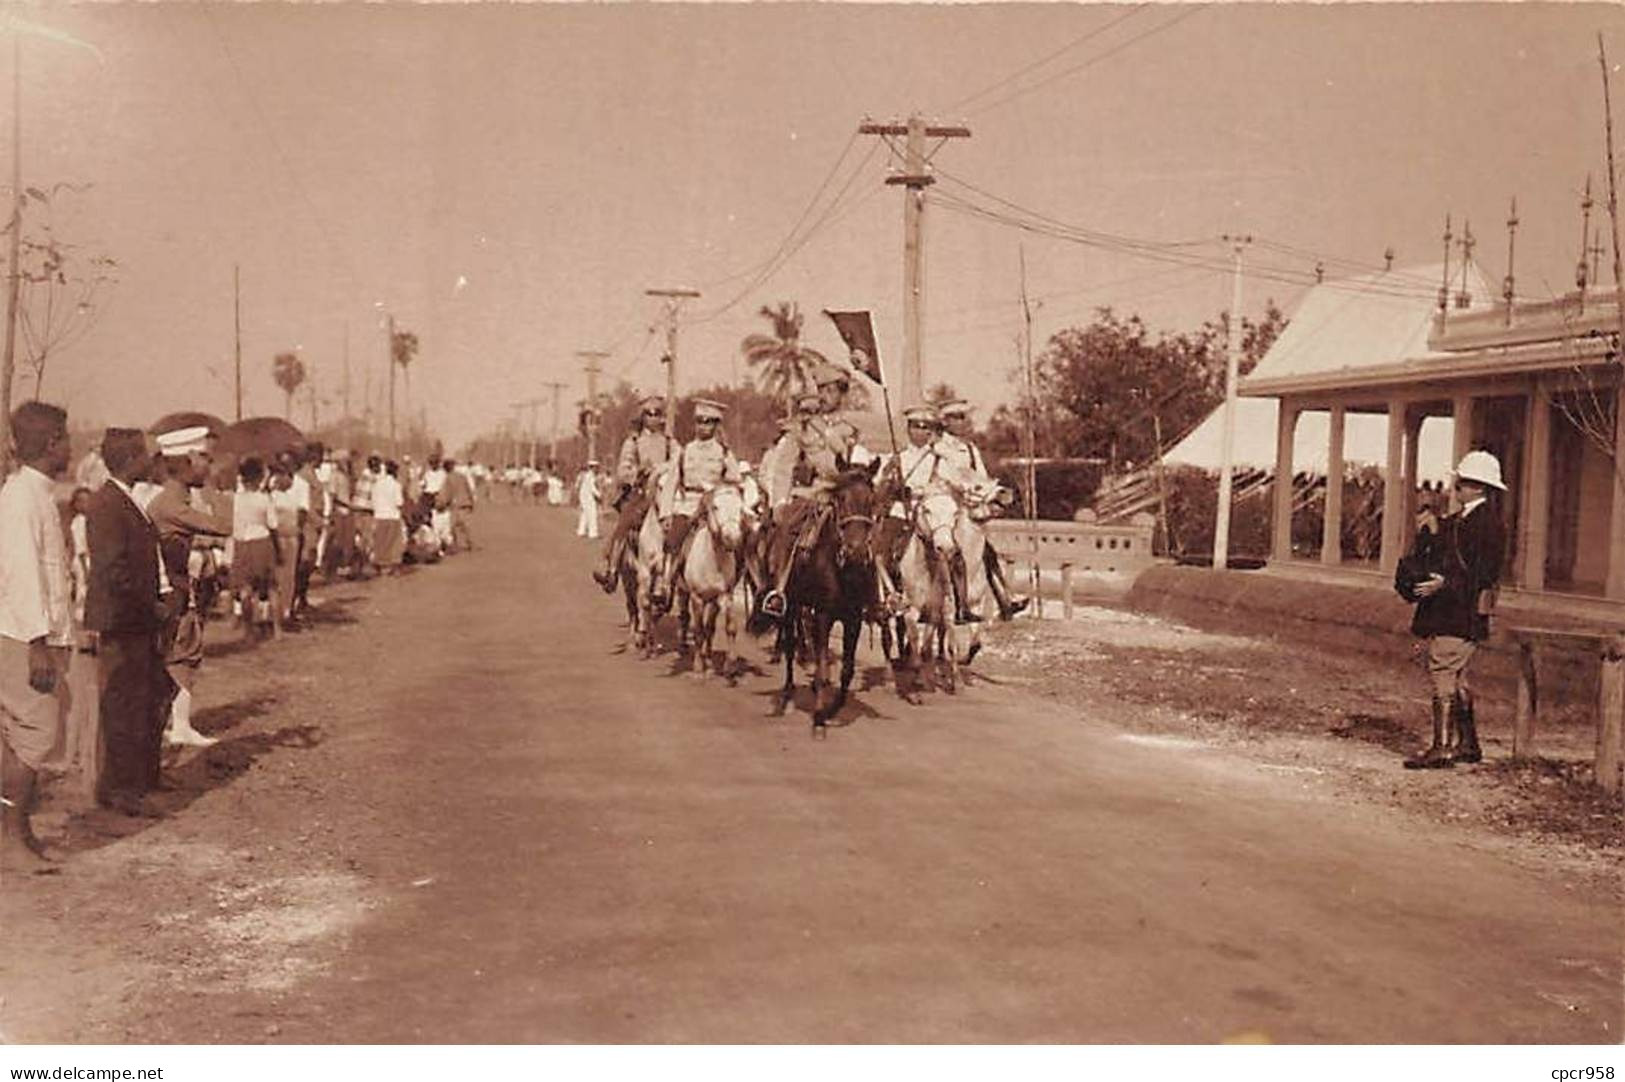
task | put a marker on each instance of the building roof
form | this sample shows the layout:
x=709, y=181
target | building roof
x=1365, y=441
x=1370, y=321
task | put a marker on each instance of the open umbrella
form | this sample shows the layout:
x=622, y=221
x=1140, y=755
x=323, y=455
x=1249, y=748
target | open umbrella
x=266, y=436
x=174, y=422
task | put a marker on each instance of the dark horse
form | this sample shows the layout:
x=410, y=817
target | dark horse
x=831, y=583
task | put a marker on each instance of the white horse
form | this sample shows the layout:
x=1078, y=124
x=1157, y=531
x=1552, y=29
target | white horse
x=712, y=576
x=925, y=625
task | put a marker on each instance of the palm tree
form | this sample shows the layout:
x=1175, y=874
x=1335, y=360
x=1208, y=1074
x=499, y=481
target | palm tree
x=786, y=366
x=404, y=350
x=289, y=372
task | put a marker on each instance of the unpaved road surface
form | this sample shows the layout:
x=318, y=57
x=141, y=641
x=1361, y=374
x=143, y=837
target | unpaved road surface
x=454, y=812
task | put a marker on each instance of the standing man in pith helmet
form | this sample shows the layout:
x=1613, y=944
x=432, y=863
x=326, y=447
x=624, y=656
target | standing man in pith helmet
x=1452, y=575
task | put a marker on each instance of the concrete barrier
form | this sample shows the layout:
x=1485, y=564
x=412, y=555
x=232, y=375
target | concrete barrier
x=1091, y=557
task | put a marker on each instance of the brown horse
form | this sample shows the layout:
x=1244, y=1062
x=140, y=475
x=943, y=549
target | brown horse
x=832, y=582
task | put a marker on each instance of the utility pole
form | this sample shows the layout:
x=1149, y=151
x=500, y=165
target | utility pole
x=553, y=448
x=1227, y=445
x=237, y=323
x=14, y=269
x=389, y=355
x=673, y=298
x=346, y=385
x=592, y=359
x=310, y=384
x=915, y=179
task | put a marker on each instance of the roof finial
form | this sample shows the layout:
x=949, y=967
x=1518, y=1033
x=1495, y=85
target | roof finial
x=1581, y=278
x=1464, y=299
x=1388, y=258
x=1444, y=284
x=1320, y=272
x=1507, y=291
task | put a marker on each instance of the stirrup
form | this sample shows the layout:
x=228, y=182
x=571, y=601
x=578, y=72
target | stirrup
x=773, y=604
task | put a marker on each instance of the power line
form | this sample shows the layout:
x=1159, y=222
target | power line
x=1029, y=88
x=811, y=203
x=786, y=253
x=1074, y=43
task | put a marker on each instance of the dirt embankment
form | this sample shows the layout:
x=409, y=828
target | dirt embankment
x=1345, y=717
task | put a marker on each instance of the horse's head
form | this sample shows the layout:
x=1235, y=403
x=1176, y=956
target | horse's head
x=857, y=510
x=725, y=516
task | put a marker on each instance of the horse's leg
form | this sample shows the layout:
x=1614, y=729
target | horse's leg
x=822, y=625
x=787, y=652
x=851, y=634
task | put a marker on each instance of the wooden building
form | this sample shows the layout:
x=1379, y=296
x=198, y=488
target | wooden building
x=1537, y=384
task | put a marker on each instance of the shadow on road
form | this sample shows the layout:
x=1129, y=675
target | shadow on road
x=184, y=782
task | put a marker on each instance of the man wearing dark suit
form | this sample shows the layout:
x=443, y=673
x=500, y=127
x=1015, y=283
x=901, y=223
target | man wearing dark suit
x=1451, y=575
x=121, y=606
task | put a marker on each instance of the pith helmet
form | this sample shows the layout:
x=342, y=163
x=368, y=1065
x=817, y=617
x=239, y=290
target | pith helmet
x=1481, y=467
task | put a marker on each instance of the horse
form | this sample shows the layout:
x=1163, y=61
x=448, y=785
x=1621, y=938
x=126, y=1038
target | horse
x=925, y=626
x=927, y=594
x=831, y=583
x=711, y=574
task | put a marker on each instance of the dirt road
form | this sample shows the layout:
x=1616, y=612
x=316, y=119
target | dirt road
x=454, y=813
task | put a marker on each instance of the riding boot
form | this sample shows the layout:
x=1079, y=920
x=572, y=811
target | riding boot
x=1008, y=608
x=606, y=575
x=956, y=571
x=1437, y=755
x=1467, y=749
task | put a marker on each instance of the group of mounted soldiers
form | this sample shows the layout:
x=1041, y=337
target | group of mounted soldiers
x=938, y=483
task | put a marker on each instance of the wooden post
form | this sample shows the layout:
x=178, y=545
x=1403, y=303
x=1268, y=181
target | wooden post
x=1286, y=425
x=1610, y=707
x=1535, y=500
x=1523, y=719
x=1616, y=530
x=1393, y=490
x=1461, y=413
x=1066, y=591
x=1413, y=440
x=1331, y=537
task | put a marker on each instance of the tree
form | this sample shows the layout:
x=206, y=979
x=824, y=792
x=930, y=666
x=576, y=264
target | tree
x=938, y=393
x=785, y=366
x=289, y=372
x=59, y=289
x=403, y=350
x=1116, y=383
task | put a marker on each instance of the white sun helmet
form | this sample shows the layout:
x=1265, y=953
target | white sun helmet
x=1482, y=468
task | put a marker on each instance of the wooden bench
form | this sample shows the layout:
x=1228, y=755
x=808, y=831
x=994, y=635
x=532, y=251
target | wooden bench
x=1610, y=649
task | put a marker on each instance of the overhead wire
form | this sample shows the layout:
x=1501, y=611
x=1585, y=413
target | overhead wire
x=788, y=251
x=1035, y=65
x=1091, y=62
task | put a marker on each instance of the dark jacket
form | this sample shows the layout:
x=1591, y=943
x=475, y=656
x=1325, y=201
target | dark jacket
x=1468, y=552
x=122, y=595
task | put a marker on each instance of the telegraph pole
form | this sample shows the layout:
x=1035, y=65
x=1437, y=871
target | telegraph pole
x=592, y=359
x=389, y=356
x=346, y=392
x=1227, y=445
x=237, y=323
x=674, y=299
x=553, y=448
x=915, y=179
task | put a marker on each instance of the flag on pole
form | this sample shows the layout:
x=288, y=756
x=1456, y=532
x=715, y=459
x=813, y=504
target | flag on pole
x=858, y=333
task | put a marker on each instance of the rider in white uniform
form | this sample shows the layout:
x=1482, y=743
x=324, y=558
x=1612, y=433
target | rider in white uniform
x=702, y=464
x=957, y=447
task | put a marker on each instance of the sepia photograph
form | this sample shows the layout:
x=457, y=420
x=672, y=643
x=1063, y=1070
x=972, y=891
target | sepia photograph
x=824, y=526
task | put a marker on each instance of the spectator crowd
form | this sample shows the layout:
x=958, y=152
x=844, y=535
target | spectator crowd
x=109, y=578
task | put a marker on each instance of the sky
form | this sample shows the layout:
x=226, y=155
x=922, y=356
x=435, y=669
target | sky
x=507, y=180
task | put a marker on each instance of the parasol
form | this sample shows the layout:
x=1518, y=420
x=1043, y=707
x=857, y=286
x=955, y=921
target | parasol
x=261, y=436
x=174, y=422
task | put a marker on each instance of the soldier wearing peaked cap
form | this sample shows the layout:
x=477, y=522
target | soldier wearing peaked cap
x=826, y=444
x=645, y=450
x=1451, y=574
x=185, y=462
x=957, y=447
x=702, y=464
